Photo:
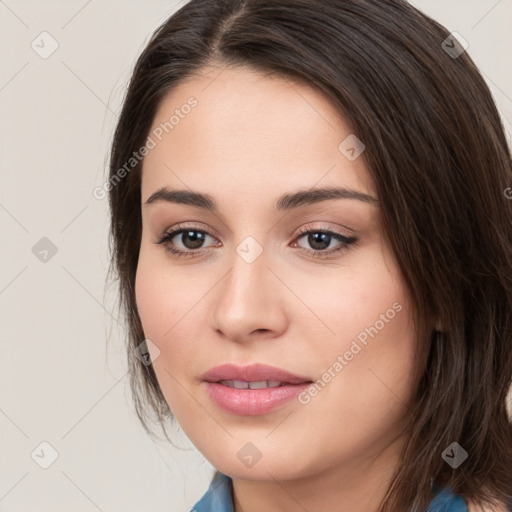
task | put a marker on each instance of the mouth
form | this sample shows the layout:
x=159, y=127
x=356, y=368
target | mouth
x=252, y=390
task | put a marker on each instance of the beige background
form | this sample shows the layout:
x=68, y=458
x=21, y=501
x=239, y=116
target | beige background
x=60, y=382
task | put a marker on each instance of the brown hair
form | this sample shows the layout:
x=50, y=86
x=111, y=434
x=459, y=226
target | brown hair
x=437, y=153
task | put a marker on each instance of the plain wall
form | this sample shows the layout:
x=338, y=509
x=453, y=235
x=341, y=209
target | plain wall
x=60, y=382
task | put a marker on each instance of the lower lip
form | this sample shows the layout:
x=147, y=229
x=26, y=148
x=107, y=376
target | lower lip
x=252, y=402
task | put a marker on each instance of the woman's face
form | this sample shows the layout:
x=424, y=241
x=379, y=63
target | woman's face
x=253, y=288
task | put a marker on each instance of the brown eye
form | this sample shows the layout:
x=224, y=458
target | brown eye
x=320, y=240
x=191, y=240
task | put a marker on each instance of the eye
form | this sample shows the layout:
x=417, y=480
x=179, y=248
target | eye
x=191, y=238
x=320, y=240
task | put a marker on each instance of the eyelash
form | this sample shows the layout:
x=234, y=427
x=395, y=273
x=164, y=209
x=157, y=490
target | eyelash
x=345, y=241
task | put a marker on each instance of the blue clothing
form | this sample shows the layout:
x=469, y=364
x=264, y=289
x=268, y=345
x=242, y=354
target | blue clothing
x=219, y=498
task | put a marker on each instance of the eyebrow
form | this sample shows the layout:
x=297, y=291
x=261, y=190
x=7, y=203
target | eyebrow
x=286, y=202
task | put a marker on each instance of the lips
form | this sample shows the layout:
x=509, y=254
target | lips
x=254, y=373
x=252, y=390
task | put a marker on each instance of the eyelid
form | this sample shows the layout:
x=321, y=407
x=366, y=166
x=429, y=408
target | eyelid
x=188, y=227
x=327, y=226
x=192, y=226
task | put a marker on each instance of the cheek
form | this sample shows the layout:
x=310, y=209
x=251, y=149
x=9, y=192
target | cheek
x=160, y=294
x=364, y=389
x=160, y=310
x=363, y=302
x=171, y=313
x=367, y=342
x=150, y=297
x=157, y=306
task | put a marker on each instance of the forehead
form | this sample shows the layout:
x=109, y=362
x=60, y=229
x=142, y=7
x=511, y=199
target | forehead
x=249, y=133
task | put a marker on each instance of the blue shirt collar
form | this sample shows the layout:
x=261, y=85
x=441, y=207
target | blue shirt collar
x=218, y=497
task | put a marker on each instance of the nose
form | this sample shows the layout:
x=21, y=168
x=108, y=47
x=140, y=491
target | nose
x=248, y=302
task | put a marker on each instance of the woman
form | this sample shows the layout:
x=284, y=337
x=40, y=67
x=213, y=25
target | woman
x=312, y=237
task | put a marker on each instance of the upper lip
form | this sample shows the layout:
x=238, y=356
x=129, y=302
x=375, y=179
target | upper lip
x=252, y=373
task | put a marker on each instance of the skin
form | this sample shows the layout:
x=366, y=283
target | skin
x=250, y=139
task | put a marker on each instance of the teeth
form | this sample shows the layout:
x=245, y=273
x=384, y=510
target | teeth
x=264, y=384
x=242, y=384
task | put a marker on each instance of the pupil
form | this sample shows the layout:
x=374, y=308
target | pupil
x=197, y=239
x=319, y=238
